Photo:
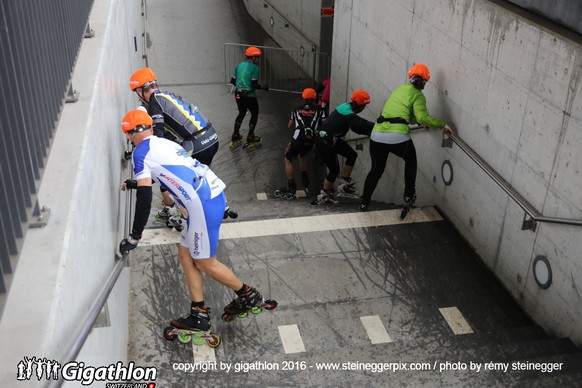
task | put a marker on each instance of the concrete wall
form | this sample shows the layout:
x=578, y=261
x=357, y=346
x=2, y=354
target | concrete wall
x=512, y=89
x=301, y=16
x=63, y=266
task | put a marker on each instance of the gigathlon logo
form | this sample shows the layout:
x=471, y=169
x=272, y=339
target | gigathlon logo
x=115, y=374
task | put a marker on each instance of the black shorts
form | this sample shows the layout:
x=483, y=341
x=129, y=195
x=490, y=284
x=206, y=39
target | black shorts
x=295, y=148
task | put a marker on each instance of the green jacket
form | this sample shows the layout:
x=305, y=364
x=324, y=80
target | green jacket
x=244, y=73
x=408, y=103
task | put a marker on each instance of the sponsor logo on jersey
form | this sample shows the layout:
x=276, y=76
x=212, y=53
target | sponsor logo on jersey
x=170, y=181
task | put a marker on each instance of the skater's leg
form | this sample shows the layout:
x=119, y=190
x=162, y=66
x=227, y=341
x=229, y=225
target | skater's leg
x=194, y=279
x=289, y=170
x=242, y=111
x=407, y=151
x=219, y=272
x=253, y=106
x=379, y=155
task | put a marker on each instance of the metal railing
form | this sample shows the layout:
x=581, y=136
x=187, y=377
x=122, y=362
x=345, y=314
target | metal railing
x=532, y=216
x=281, y=69
x=40, y=41
x=78, y=339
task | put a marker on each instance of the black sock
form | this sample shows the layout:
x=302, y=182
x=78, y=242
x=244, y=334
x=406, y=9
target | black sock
x=197, y=304
x=243, y=290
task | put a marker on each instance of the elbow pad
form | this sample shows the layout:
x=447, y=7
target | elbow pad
x=143, y=204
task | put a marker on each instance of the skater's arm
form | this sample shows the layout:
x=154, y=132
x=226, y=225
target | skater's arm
x=143, y=204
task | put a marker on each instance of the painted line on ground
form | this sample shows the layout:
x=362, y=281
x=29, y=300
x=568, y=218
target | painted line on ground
x=455, y=320
x=203, y=353
x=294, y=225
x=375, y=329
x=262, y=196
x=291, y=339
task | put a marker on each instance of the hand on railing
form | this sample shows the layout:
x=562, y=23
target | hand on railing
x=127, y=244
x=446, y=129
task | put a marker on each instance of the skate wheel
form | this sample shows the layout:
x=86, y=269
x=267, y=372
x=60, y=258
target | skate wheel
x=277, y=194
x=243, y=315
x=169, y=224
x=213, y=341
x=256, y=310
x=184, y=336
x=198, y=339
x=270, y=304
x=168, y=335
x=179, y=228
x=226, y=317
x=232, y=214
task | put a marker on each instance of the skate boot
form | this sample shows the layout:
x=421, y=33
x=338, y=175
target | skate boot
x=229, y=213
x=176, y=222
x=325, y=196
x=408, y=204
x=346, y=188
x=253, y=141
x=364, y=205
x=195, y=327
x=198, y=320
x=165, y=213
x=235, y=140
x=287, y=192
x=252, y=301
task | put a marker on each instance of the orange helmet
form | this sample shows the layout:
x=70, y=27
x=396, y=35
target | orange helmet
x=361, y=97
x=309, y=94
x=142, y=77
x=420, y=70
x=253, y=52
x=136, y=120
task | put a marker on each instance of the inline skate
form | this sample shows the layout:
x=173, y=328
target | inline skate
x=346, y=188
x=250, y=301
x=408, y=204
x=235, y=141
x=253, y=141
x=194, y=327
x=287, y=192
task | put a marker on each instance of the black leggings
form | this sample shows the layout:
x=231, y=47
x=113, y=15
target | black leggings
x=247, y=103
x=379, y=153
x=329, y=156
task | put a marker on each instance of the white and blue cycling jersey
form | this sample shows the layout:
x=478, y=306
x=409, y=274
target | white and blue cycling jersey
x=193, y=185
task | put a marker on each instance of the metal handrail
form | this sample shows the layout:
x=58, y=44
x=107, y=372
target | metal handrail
x=534, y=215
x=78, y=340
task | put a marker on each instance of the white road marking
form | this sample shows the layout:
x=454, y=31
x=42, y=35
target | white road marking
x=375, y=329
x=203, y=353
x=247, y=229
x=262, y=196
x=300, y=194
x=455, y=320
x=291, y=339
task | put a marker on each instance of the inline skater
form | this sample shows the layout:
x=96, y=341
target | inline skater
x=406, y=105
x=245, y=79
x=178, y=120
x=329, y=144
x=305, y=121
x=201, y=193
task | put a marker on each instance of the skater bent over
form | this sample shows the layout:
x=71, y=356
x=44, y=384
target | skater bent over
x=406, y=105
x=329, y=143
x=175, y=119
x=305, y=121
x=198, y=190
x=245, y=79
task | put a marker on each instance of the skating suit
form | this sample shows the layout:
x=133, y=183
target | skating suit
x=178, y=120
x=192, y=185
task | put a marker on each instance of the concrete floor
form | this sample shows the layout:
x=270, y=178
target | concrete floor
x=355, y=290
